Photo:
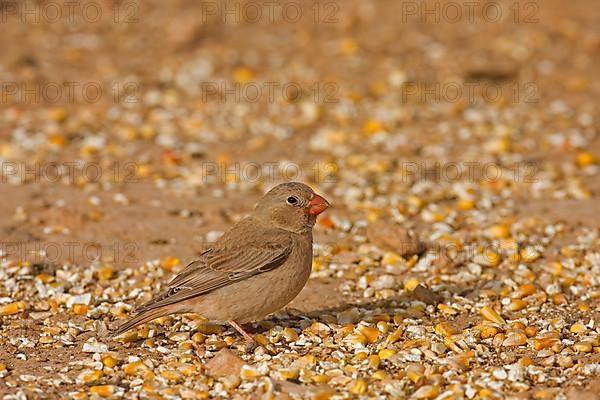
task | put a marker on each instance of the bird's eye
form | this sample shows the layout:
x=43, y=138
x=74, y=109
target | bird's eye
x=292, y=200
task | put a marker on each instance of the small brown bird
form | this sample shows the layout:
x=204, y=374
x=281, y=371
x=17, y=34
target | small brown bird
x=254, y=269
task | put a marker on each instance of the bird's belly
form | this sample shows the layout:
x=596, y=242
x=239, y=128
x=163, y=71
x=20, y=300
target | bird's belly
x=254, y=298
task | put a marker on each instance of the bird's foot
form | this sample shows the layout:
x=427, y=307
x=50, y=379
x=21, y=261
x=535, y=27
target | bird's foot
x=246, y=335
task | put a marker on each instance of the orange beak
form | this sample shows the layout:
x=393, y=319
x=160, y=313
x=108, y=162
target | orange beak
x=317, y=205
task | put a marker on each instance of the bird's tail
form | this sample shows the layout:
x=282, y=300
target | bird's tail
x=141, y=318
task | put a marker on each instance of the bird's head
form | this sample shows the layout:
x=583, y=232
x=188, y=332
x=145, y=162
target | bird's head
x=292, y=206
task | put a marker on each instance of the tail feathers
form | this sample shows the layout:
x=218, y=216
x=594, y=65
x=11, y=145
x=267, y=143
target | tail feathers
x=141, y=318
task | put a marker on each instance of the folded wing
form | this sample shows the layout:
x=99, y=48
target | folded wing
x=222, y=266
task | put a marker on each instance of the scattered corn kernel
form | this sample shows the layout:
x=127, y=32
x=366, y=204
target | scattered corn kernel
x=370, y=333
x=524, y=290
x=491, y=315
x=446, y=329
x=515, y=339
x=384, y=354
x=576, y=328
x=12, y=308
x=80, y=309
x=582, y=347
x=411, y=284
x=109, y=361
x=517, y=305
x=426, y=392
x=359, y=387
x=103, y=390
x=585, y=159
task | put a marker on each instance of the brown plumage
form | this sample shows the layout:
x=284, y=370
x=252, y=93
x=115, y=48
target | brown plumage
x=254, y=269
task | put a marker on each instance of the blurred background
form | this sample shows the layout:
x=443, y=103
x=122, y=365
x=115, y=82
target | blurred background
x=138, y=131
x=374, y=95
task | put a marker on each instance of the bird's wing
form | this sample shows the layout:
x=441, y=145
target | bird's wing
x=223, y=265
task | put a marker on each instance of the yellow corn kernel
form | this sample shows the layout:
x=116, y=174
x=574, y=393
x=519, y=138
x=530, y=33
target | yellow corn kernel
x=582, y=347
x=526, y=361
x=384, y=354
x=465, y=204
x=411, y=284
x=374, y=361
x=12, y=308
x=463, y=360
x=394, y=336
x=447, y=309
x=261, y=339
x=379, y=375
x=105, y=273
x=359, y=387
x=80, y=309
x=585, y=159
x=415, y=372
x=372, y=126
x=57, y=140
x=529, y=255
x=515, y=339
x=446, y=329
x=517, y=305
x=488, y=258
x=290, y=335
x=249, y=372
x=289, y=373
x=370, y=333
x=531, y=331
x=544, y=343
x=170, y=263
x=356, y=338
x=583, y=307
x=243, y=75
x=391, y=258
x=103, y=390
x=187, y=369
x=498, y=232
x=487, y=331
x=576, y=328
x=452, y=345
x=427, y=392
x=320, y=379
x=171, y=375
x=559, y=299
x=92, y=376
x=525, y=290
x=133, y=368
x=109, y=361
x=491, y=315
x=519, y=326
x=45, y=278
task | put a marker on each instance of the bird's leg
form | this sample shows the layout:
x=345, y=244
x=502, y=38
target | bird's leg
x=241, y=330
